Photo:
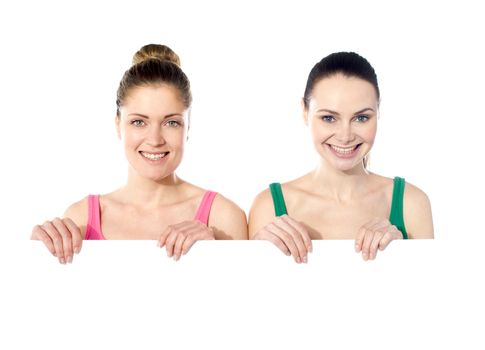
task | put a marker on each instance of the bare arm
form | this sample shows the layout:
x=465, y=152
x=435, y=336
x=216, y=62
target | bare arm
x=417, y=213
x=227, y=220
x=261, y=213
x=78, y=213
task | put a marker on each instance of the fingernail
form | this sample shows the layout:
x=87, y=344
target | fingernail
x=77, y=250
x=298, y=260
x=62, y=260
x=305, y=259
x=69, y=259
x=364, y=255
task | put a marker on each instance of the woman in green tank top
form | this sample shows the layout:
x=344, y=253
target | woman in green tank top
x=341, y=198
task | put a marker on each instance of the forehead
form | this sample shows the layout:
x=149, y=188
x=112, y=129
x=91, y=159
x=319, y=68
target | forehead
x=339, y=92
x=154, y=100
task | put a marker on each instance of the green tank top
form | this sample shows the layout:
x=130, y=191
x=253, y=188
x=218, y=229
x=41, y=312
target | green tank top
x=396, y=217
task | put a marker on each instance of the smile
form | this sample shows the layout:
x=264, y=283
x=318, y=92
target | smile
x=344, y=152
x=153, y=156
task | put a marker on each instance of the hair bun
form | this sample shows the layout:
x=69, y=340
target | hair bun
x=156, y=51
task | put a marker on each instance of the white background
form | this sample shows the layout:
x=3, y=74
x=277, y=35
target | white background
x=61, y=63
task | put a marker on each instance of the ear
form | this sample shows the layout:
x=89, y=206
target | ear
x=378, y=109
x=304, y=111
x=188, y=123
x=117, y=124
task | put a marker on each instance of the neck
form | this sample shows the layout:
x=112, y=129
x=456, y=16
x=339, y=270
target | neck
x=145, y=192
x=340, y=185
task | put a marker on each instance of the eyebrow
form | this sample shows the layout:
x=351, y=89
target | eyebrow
x=336, y=113
x=147, y=117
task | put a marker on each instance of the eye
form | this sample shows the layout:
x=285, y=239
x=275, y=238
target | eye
x=173, y=123
x=137, y=122
x=362, y=118
x=328, y=118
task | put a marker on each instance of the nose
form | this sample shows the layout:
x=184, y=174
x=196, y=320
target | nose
x=344, y=134
x=155, y=136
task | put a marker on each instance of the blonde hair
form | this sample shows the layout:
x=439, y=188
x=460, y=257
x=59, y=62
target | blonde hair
x=154, y=64
x=156, y=51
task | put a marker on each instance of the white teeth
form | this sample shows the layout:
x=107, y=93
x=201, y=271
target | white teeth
x=342, y=150
x=152, y=156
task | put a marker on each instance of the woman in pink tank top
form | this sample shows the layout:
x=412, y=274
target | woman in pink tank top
x=152, y=120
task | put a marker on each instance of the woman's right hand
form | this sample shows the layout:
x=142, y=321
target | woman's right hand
x=61, y=236
x=289, y=236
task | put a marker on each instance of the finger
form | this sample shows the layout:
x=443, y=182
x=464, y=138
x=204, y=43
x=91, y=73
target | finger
x=164, y=235
x=378, y=230
x=77, y=239
x=302, y=230
x=66, y=238
x=295, y=235
x=177, y=227
x=266, y=235
x=56, y=238
x=177, y=248
x=287, y=239
x=205, y=234
x=391, y=235
x=386, y=239
x=188, y=243
x=39, y=234
x=170, y=242
x=369, y=235
x=279, y=243
x=359, y=239
x=375, y=244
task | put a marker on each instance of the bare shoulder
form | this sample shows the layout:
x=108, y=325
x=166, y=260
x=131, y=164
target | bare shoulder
x=78, y=212
x=417, y=212
x=261, y=212
x=262, y=201
x=228, y=219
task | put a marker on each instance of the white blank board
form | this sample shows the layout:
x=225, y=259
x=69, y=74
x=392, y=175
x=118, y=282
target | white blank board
x=242, y=295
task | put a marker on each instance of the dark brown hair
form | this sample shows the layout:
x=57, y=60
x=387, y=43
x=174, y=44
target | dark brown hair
x=349, y=64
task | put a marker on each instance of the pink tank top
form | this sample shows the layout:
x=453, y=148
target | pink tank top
x=93, y=229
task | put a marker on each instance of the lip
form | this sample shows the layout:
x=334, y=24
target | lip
x=154, y=156
x=345, y=154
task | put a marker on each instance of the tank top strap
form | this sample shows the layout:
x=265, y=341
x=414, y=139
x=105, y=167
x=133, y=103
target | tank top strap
x=397, y=217
x=205, y=207
x=278, y=199
x=93, y=228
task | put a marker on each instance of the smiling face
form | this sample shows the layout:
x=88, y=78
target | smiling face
x=152, y=123
x=342, y=116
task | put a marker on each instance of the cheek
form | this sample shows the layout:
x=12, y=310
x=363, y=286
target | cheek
x=320, y=131
x=176, y=138
x=129, y=138
x=369, y=133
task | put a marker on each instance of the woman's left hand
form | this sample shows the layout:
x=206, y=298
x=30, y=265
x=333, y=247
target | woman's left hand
x=178, y=238
x=376, y=234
